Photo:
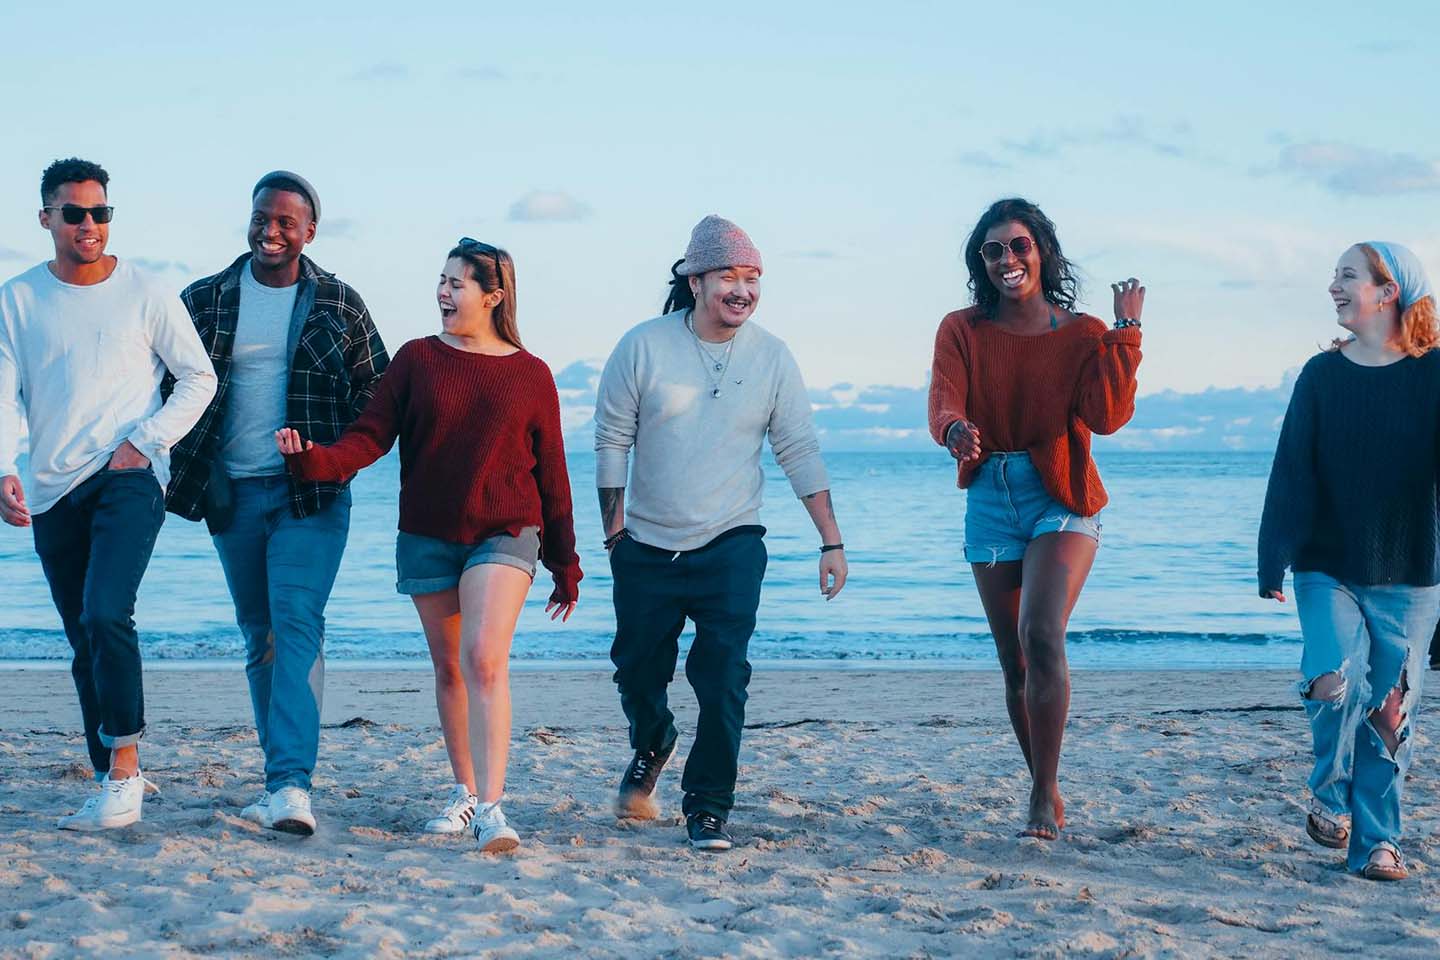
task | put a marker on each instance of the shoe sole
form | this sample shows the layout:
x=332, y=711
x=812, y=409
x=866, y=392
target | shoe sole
x=293, y=826
x=714, y=846
x=634, y=805
x=1385, y=873
x=501, y=845
x=442, y=832
x=110, y=823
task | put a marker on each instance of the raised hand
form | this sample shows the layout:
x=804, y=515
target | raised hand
x=12, y=502
x=963, y=441
x=289, y=441
x=1129, y=299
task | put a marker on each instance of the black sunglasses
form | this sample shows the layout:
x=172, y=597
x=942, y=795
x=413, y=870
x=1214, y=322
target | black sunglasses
x=469, y=245
x=74, y=214
x=994, y=250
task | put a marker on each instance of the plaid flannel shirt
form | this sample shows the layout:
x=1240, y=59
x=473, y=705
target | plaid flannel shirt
x=336, y=366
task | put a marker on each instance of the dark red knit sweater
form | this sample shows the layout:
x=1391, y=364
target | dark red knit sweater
x=1044, y=394
x=480, y=450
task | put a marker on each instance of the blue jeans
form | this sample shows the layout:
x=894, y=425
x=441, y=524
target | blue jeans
x=1374, y=638
x=1007, y=506
x=94, y=546
x=280, y=569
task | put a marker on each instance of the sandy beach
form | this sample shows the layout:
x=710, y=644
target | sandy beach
x=877, y=816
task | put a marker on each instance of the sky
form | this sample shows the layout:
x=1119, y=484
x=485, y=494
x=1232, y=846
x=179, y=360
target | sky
x=1225, y=153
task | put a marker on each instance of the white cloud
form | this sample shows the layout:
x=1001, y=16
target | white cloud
x=1348, y=169
x=548, y=206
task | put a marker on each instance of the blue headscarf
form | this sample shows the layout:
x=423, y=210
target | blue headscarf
x=1405, y=267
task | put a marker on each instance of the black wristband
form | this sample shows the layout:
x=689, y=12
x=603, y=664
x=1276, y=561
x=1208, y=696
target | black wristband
x=610, y=541
x=826, y=548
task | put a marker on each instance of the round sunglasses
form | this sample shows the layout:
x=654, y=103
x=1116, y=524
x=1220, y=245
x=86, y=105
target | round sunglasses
x=993, y=250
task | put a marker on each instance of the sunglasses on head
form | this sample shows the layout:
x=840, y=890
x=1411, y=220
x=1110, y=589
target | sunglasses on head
x=470, y=245
x=74, y=214
x=993, y=250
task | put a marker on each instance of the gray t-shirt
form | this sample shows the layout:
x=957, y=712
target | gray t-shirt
x=259, y=370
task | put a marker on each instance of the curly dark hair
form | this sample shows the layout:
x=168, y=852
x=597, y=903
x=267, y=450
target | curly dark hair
x=1057, y=275
x=70, y=170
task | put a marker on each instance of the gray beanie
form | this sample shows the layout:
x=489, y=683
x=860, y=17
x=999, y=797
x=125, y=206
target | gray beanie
x=716, y=243
x=277, y=178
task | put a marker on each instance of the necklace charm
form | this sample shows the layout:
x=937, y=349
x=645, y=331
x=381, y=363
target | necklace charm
x=715, y=392
x=719, y=367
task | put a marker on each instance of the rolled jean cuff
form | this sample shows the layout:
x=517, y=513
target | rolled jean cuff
x=115, y=743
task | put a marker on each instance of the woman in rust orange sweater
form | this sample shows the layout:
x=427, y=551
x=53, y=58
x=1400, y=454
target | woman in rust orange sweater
x=1020, y=381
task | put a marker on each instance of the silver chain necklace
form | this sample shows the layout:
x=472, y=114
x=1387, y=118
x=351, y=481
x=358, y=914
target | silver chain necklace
x=713, y=363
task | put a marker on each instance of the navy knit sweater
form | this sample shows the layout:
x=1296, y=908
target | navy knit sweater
x=1353, y=491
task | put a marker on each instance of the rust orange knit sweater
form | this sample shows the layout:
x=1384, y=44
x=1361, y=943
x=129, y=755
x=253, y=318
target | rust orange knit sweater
x=1044, y=394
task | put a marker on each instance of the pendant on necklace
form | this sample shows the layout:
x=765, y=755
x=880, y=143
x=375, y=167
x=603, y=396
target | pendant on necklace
x=719, y=366
x=715, y=392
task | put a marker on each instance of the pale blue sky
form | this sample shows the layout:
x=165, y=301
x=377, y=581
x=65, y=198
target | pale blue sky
x=1226, y=154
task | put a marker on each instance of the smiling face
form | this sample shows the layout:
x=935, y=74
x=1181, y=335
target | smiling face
x=729, y=295
x=281, y=223
x=1016, y=278
x=466, y=310
x=84, y=242
x=1358, y=296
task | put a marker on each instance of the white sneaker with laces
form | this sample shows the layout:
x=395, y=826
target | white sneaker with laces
x=458, y=812
x=287, y=810
x=491, y=831
x=116, y=805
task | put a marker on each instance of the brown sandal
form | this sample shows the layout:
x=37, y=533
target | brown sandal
x=1326, y=828
x=1385, y=863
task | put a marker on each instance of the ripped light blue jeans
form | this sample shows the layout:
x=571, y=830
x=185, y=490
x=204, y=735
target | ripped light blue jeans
x=1007, y=506
x=1374, y=638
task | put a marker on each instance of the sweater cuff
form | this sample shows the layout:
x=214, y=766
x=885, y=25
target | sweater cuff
x=1127, y=336
x=567, y=585
x=307, y=466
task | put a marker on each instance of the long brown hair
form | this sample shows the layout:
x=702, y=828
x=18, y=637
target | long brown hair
x=493, y=271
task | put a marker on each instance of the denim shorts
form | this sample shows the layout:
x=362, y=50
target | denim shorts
x=1007, y=506
x=428, y=565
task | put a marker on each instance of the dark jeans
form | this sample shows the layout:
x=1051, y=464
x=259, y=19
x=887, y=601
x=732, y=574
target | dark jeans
x=94, y=546
x=718, y=587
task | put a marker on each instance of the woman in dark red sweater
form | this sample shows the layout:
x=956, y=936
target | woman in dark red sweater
x=1019, y=382
x=484, y=496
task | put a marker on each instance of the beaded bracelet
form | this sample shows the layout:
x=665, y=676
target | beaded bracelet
x=1126, y=323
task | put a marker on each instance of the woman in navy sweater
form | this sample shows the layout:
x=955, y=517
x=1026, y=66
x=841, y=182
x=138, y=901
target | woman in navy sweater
x=1353, y=508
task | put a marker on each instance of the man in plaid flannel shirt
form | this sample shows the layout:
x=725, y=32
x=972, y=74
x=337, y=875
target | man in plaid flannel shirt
x=292, y=346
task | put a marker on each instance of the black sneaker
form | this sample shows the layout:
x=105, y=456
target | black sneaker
x=636, y=800
x=707, y=832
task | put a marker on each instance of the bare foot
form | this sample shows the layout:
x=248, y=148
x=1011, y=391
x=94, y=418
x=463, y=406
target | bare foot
x=1046, y=816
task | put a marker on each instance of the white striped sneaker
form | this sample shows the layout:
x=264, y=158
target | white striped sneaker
x=459, y=811
x=491, y=831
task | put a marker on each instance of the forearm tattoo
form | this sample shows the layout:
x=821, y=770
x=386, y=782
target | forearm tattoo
x=611, y=501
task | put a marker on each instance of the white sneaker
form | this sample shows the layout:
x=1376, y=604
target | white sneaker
x=491, y=831
x=458, y=812
x=116, y=805
x=286, y=810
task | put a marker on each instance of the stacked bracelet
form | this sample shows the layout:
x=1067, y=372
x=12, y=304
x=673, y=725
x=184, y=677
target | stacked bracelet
x=826, y=548
x=1125, y=323
x=615, y=538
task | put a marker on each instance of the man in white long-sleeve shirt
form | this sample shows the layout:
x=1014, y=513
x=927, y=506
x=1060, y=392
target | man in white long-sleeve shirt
x=694, y=394
x=85, y=340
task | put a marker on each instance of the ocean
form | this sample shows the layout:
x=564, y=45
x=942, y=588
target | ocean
x=1173, y=585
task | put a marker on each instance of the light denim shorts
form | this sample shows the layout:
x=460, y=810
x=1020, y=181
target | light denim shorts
x=1007, y=506
x=428, y=565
